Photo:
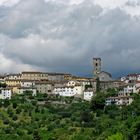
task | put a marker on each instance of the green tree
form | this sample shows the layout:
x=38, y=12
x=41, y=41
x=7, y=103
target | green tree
x=117, y=136
x=97, y=84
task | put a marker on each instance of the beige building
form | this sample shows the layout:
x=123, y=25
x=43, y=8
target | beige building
x=59, y=76
x=13, y=76
x=30, y=75
x=104, y=85
x=12, y=82
x=44, y=87
x=23, y=90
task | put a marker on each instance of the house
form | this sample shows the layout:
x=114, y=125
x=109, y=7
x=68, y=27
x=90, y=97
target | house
x=130, y=88
x=13, y=76
x=59, y=76
x=85, y=82
x=32, y=75
x=88, y=94
x=13, y=82
x=122, y=99
x=5, y=93
x=2, y=78
x=44, y=87
x=23, y=90
x=68, y=91
x=27, y=83
x=104, y=85
x=132, y=77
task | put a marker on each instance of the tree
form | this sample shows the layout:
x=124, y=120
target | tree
x=97, y=84
x=36, y=135
x=98, y=102
x=86, y=116
x=117, y=136
x=6, y=103
x=18, y=110
x=6, y=121
x=14, y=105
x=136, y=130
x=14, y=117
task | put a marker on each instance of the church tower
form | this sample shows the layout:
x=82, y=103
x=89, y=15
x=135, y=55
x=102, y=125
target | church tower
x=97, y=66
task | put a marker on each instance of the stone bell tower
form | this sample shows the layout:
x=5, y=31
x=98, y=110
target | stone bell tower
x=97, y=66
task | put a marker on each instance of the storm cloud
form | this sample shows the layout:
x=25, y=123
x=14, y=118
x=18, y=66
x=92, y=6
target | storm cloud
x=56, y=36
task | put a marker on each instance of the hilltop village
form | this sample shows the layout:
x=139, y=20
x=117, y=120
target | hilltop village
x=67, y=85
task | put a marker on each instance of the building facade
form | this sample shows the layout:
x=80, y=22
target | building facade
x=5, y=93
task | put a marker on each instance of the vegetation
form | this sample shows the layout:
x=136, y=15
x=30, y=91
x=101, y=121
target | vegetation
x=51, y=117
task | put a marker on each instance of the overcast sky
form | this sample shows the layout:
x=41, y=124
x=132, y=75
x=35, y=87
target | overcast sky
x=64, y=35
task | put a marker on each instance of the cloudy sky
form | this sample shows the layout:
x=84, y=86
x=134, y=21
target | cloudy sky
x=64, y=35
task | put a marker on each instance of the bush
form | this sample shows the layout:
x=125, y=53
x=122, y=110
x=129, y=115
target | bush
x=7, y=130
x=6, y=103
x=20, y=132
x=14, y=105
x=18, y=111
x=6, y=121
x=15, y=118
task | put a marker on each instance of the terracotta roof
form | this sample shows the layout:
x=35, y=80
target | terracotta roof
x=55, y=73
x=43, y=82
x=26, y=88
x=13, y=80
x=14, y=74
x=120, y=97
x=28, y=80
x=31, y=72
x=133, y=74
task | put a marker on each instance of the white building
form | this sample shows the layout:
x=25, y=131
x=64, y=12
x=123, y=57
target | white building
x=27, y=83
x=123, y=100
x=6, y=93
x=69, y=91
x=14, y=76
x=132, y=77
x=138, y=77
x=71, y=83
x=88, y=94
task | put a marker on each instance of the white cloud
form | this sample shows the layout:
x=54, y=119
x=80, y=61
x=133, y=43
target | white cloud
x=8, y=3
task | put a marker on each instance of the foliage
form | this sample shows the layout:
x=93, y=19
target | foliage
x=58, y=118
x=97, y=84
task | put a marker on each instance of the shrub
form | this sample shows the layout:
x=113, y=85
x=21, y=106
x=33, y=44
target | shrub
x=14, y=117
x=18, y=111
x=14, y=105
x=6, y=121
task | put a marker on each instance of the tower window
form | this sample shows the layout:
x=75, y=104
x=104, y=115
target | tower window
x=96, y=64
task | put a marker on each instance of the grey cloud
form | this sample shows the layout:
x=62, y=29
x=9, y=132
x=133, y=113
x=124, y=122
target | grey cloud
x=132, y=3
x=58, y=37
